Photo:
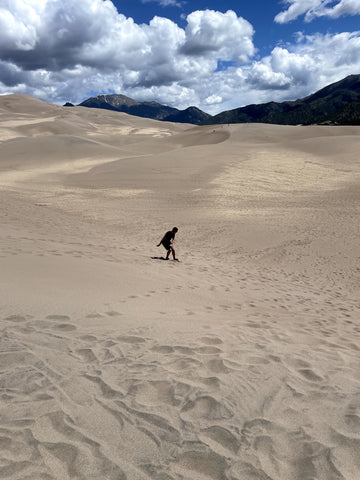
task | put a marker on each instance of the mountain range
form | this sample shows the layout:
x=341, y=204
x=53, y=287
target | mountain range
x=154, y=110
x=338, y=103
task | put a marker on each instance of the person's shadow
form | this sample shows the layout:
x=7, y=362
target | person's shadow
x=163, y=258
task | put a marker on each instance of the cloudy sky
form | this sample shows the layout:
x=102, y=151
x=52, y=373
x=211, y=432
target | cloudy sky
x=215, y=54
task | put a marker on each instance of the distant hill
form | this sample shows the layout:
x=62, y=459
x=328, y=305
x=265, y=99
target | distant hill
x=190, y=115
x=338, y=103
x=154, y=110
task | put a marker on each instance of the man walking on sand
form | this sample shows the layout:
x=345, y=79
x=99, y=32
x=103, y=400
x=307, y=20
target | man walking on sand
x=167, y=242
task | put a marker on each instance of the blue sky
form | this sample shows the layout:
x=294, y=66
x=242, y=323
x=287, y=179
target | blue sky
x=211, y=54
x=260, y=13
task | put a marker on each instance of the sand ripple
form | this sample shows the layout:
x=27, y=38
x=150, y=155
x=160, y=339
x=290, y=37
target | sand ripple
x=84, y=406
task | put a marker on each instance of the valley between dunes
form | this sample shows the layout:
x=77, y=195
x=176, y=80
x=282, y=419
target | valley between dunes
x=241, y=362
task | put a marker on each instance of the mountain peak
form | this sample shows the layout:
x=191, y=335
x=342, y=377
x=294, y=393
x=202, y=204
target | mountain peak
x=338, y=103
x=152, y=109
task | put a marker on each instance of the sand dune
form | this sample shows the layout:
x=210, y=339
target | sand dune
x=241, y=363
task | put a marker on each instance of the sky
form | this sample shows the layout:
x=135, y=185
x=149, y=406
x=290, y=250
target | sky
x=215, y=55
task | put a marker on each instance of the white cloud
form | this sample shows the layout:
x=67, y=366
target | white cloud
x=213, y=100
x=88, y=46
x=58, y=34
x=67, y=50
x=262, y=77
x=287, y=73
x=223, y=35
x=19, y=25
x=165, y=3
x=310, y=64
x=318, y=8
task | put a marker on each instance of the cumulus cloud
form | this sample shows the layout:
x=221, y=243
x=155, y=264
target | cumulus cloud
x=68, y=50
x=221, y=34
x=287, y=73
x=60, y=34
x=313, y=62
x=317, y=8
x=213, y=100
x=90, y=46
x=262, y=77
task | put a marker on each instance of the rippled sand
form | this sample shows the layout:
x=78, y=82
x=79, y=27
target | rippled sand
x=241, y=363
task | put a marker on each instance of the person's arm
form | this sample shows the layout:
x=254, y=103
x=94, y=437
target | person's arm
x=158, y=245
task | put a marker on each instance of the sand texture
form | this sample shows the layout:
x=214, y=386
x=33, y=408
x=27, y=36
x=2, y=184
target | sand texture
x=241, y=363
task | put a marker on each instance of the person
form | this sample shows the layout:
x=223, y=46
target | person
x=167, y=242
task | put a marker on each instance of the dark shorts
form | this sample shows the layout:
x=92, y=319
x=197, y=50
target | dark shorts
x=167, y=246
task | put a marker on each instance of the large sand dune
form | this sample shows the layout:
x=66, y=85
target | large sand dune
x=241, y=363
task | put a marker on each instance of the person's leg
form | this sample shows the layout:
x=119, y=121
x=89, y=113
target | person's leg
x=173, y=253
x=168, y=254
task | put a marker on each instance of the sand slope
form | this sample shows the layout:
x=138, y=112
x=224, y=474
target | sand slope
x=241, y=363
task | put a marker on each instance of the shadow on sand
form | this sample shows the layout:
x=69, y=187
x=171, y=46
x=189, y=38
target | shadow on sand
x=163, y=258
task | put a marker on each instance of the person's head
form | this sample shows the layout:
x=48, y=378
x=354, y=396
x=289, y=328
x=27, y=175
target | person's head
x=175, y=229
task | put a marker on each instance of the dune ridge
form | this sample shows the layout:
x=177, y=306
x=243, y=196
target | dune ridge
x=241, y=363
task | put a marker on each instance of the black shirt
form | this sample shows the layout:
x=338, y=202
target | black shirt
x=167, y=238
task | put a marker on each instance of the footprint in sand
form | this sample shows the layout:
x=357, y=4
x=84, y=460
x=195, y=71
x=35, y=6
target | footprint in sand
x=88, y=338
x=16, y=318
x=353, y=422
x=58, y=318
x=217, y=365
x=183, y=350
x=87, y=354
x=94, y=315
x=247, y=471
x=252, y=360
x=165, y=349
x=220, y=440
x=185, y=364
x=310, y=375
x=64, y=327
x=113, y=313
x=208, y=350
x=211, y=382
x=297, y=363
x=155, y=393
x=211, y=340
x=131, y=339
x=205, y=407
x=207, y=464
x=106, y=390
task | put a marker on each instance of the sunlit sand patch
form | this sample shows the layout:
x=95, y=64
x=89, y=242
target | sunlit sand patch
x=24, y=121
x=7, y=126
x=123, y=130
x=128, y=130
x=155, y=132
x=118, y=193
x=11, y=178
x=8, y=134
x=274, y=174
